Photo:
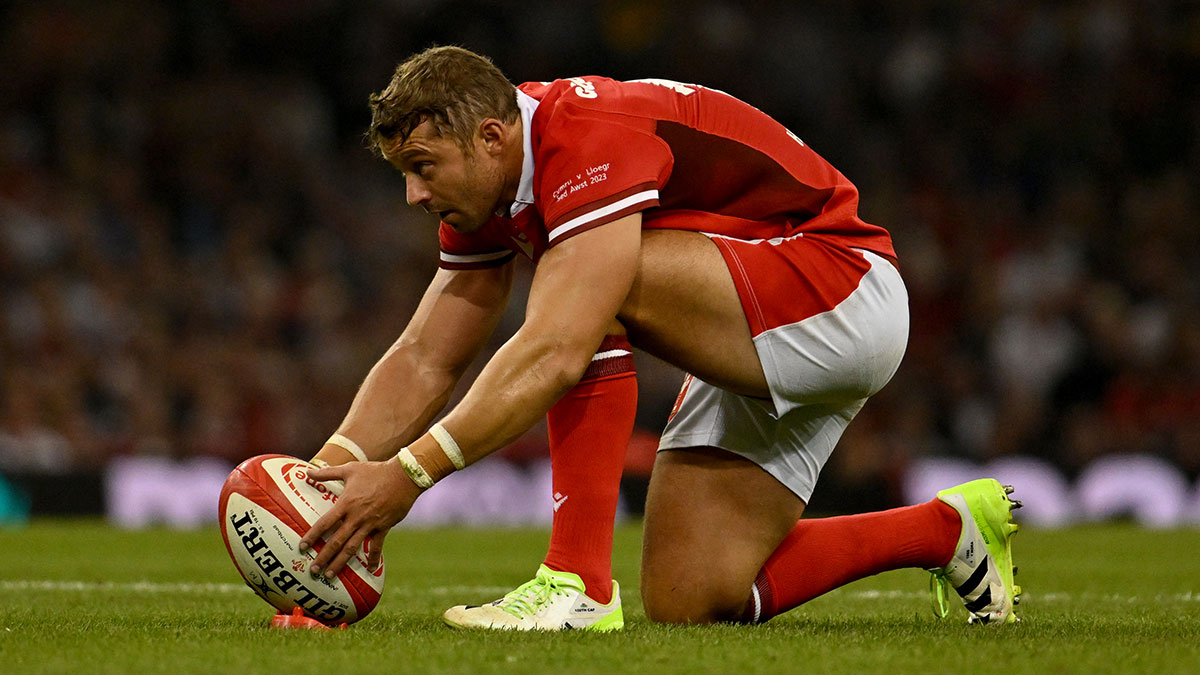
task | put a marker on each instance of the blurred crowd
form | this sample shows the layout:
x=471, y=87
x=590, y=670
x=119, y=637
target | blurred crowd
x=198, y=257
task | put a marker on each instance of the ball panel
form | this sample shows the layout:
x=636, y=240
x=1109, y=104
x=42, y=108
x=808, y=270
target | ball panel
x=260, y=472
x=243, y=482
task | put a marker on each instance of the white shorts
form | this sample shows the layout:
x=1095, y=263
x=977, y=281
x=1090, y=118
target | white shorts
x=820, y=371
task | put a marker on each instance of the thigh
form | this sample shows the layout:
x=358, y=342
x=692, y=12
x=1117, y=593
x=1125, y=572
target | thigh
x=712, y=520
x=792, y=447
x=685, y=309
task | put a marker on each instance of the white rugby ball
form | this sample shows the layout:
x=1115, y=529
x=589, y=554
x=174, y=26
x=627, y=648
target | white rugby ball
x=267, y=504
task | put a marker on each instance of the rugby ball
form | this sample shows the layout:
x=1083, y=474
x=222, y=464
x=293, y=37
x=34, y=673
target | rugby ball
x=267, y=504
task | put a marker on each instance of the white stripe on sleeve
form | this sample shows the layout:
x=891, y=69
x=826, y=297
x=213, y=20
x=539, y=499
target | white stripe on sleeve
x=612, y=353
x=474, y=257
x=591, y=216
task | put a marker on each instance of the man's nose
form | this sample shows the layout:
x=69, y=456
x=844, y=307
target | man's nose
x=416, y=191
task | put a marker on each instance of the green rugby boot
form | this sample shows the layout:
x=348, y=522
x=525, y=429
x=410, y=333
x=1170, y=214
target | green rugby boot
x=981, y=571
x=551, y=601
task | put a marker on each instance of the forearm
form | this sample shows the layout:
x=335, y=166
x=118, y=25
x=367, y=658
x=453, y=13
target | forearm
x=413, y=381
x=519, y=384
x=396, y=402
x=577, y=288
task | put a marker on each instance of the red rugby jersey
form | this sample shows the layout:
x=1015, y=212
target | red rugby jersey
x=687, y=157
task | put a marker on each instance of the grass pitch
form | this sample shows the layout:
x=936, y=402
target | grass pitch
x=78, y=596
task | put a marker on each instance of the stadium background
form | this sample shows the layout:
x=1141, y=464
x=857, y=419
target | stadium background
x=199, y=262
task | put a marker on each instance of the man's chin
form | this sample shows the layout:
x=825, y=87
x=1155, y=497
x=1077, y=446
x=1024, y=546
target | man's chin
x=460, y=223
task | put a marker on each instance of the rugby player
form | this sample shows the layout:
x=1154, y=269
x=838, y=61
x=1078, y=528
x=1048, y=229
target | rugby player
x=683, y=221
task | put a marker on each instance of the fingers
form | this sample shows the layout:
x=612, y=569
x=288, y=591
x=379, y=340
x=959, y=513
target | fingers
x=329, y=473
x=333, y=521
x=368, y=507
x=343, y=538
x=343, y=545
x=323, y=525
x=334, y=544
x=375, y=550
x=342, y=554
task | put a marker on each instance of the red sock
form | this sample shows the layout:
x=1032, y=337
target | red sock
x=822, y=554
x=589, y=432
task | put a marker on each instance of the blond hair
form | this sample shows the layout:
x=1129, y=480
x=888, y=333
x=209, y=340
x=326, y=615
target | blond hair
x=452, y=87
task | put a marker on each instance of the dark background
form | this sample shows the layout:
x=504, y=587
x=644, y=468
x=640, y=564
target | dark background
x=198, y=257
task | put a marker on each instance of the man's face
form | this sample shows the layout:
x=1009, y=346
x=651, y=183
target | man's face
x=462, y=188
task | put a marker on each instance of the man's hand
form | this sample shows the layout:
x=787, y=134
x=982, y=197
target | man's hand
x=377, y=496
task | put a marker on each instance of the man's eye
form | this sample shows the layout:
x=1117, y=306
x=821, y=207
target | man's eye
x=422, y=168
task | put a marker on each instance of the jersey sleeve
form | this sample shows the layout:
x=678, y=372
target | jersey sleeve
x=470, y=252
x=595, y=167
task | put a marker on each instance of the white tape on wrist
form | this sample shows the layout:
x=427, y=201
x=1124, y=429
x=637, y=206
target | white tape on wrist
x=449, y=445
x=413, y=468
x=349, y=446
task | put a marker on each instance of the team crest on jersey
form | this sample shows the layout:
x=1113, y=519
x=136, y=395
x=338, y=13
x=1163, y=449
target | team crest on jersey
x=583, y=88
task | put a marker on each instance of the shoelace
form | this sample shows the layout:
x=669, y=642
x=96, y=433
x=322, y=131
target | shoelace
x=939, y=594
x=531, y=596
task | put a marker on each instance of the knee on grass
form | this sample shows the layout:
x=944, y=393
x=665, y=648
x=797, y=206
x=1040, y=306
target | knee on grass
x=681, y=602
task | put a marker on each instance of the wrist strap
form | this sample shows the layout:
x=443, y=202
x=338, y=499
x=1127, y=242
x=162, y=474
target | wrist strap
x=413, y=468
x=349, y=446
x=449, y=445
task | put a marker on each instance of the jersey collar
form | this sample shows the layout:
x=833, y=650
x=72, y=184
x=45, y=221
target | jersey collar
x=528, y=106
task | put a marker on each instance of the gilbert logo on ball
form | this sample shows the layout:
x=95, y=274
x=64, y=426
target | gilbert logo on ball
x=267, y=504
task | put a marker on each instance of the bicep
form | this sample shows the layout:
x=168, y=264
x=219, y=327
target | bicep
x=580, y=283
x=457, y=315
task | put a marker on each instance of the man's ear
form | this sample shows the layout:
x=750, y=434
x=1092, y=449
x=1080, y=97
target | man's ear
x=494, y=134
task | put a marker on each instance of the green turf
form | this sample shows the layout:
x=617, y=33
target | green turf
x=1098, y=599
